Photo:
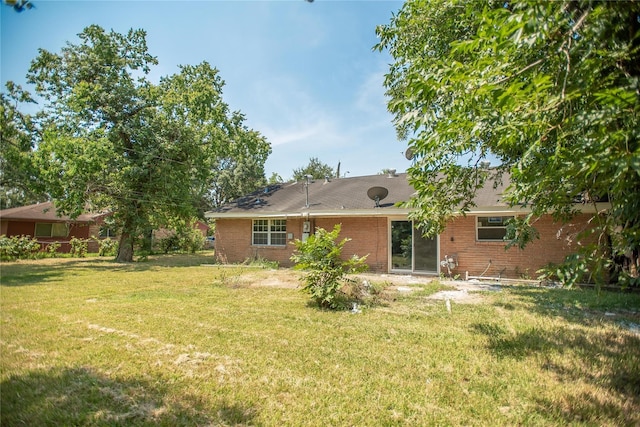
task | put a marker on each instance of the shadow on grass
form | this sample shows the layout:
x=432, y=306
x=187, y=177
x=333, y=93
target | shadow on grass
x=581, y=344
x=577, y=304
x=83, y=397
x=36, y=272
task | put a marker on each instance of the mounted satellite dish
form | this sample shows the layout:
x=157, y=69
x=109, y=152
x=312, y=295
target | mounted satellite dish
x=409, y=154
x=376, y=194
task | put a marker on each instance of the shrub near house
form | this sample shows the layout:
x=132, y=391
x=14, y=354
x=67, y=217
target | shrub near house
x=320, y=255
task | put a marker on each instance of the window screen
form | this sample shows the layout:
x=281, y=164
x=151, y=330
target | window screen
x=492, y=227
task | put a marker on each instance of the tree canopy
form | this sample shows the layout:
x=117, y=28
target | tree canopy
x=315, y=168
x=18, y=177
x=239, y=169
x=112, y=139
x=551, y=89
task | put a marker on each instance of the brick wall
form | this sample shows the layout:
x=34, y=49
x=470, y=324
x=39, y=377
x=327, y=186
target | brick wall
x=233, y=242
x=369, y=236
x=556, y=241
x=27, y=228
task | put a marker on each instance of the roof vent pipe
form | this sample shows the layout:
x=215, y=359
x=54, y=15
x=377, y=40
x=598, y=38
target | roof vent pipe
x=392, y=173
x=306, y=187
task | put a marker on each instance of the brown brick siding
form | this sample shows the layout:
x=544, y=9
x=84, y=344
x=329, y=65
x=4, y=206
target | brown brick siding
x=27, y=228
x=556, y=241
x=369, y=236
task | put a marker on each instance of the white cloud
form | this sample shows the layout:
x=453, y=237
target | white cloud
x=290, y=114
x=370, y=96
x=300, y=125
x=305, y=131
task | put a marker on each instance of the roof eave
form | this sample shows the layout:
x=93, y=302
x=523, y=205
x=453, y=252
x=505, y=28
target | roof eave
x=342, y=213
x=478, y=210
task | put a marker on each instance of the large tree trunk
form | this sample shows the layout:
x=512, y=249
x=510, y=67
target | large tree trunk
x=125, y=248
x=129, y=231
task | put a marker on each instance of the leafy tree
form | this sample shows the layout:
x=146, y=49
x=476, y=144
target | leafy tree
x=239, y=169
x=114, y=140
x=549, y=88
x=315, y=168
x=18, y=177
x=321, y=256
x=275, y=178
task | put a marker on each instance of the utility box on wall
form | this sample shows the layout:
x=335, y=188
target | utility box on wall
x=306, y=230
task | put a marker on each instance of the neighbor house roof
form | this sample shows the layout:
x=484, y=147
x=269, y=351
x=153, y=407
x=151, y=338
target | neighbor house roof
x=342, y=197
x=42, y=212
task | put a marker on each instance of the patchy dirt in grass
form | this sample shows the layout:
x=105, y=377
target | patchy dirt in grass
x=466, y=292
x=279, y=279
x=460, y=292
x=461, y=296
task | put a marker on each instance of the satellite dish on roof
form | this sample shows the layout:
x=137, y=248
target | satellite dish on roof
x=376, y=194
x=409, y=154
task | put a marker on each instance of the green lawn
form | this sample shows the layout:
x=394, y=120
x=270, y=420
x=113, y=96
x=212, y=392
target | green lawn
x=172, y=342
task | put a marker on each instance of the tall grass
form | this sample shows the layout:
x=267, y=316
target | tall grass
x=174, y=342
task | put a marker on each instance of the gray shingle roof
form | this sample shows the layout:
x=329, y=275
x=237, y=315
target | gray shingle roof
x=41, y=212
x=336, y=196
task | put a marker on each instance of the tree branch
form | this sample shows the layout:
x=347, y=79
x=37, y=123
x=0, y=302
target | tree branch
x=523, y=70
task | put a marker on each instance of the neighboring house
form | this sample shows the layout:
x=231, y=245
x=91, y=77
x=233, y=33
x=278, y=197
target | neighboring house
x=265, y=223
x=43, y=222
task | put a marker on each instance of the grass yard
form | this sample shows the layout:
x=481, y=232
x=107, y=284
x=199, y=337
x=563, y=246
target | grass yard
x=173, y=342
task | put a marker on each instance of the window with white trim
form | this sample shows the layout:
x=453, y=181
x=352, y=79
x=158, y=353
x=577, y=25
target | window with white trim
x=492, y=228
x=51, y=229
x=107, y=232
x=269, y=232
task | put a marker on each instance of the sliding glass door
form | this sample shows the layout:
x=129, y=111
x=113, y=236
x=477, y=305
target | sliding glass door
x=411, y=251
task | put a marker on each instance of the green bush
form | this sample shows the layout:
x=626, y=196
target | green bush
x=78, y=247
x=578, y=268
x=18, y=247
x=169, y=244
x=5, y=248
x=188, y=240
x=590, y=268
x=52, y=249
x=191, y=240
x=321, y=256
x=107, y=247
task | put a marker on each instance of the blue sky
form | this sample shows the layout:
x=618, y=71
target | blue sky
x=304, y=74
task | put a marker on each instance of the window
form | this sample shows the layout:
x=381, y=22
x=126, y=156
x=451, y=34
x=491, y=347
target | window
x=107, y=232
x=55, y=229
x=492, y=227
x=269, y=232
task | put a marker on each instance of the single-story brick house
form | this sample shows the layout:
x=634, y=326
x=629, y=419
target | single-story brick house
x=43, y=222
x=263, y=225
